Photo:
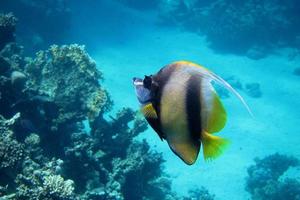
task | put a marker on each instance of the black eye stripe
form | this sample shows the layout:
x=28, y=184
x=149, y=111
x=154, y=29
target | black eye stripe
x=147, y=82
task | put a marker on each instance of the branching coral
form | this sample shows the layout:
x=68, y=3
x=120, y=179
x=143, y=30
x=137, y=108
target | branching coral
x=34, y=180
x=11, y=151
x=55, y=185
x=40, y=181
x=90, y=173
x=137, y=171
x=12, y=80
x=122, y=135
x=264, y=180
x=13, y=55
x=112, y=160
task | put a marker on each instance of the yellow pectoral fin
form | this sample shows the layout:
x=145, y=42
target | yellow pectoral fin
x=149, y=111
x=217, y=116
x=213, y=146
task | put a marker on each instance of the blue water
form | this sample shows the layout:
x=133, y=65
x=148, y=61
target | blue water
x=128, y=42
x=133, y=45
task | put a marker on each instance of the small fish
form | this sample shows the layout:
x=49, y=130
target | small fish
x=27, y=102
x=181, y=105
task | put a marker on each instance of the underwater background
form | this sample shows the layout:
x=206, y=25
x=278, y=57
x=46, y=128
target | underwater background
x=69, y=121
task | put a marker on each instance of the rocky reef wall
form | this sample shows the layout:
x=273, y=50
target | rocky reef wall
x=252, y=28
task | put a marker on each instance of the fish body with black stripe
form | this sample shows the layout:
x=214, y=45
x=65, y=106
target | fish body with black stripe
x=181, y=105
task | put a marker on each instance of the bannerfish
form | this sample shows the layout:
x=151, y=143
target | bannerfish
x=181, y=105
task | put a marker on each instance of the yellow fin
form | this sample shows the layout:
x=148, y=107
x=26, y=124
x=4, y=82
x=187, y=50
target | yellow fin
x=217, y=116
x=149, y=111
x=212, y=76
x=213, y=146
x=189, y=63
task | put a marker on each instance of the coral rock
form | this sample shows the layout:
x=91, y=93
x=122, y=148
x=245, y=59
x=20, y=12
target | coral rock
x=264, y=180
x=18, y=80
x=11, y=151
x=69, y=76
x=7, y=29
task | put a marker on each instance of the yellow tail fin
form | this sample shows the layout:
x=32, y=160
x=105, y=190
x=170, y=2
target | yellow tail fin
x=213, y=146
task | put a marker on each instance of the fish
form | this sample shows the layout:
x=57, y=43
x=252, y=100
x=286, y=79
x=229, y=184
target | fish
x=36, y=99
x=180, y=103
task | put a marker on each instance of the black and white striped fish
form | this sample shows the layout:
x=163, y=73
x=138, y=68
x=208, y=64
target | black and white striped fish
x=181, y=105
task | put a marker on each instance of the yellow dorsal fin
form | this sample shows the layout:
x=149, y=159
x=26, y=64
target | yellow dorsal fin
x=217, y=117
x=213, y=146
x=149, y=111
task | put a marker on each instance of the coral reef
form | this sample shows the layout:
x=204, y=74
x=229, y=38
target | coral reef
x=238, y=26
x=68, y=76
x=51, y=27
x=45, y=150
x=11, y=152
x=123, y=134
x=19, y=171
x=7, y=29
x=39, y=181
x=265, y=179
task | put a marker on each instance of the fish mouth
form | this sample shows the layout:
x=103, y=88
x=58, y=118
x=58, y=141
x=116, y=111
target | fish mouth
x=137, y=81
